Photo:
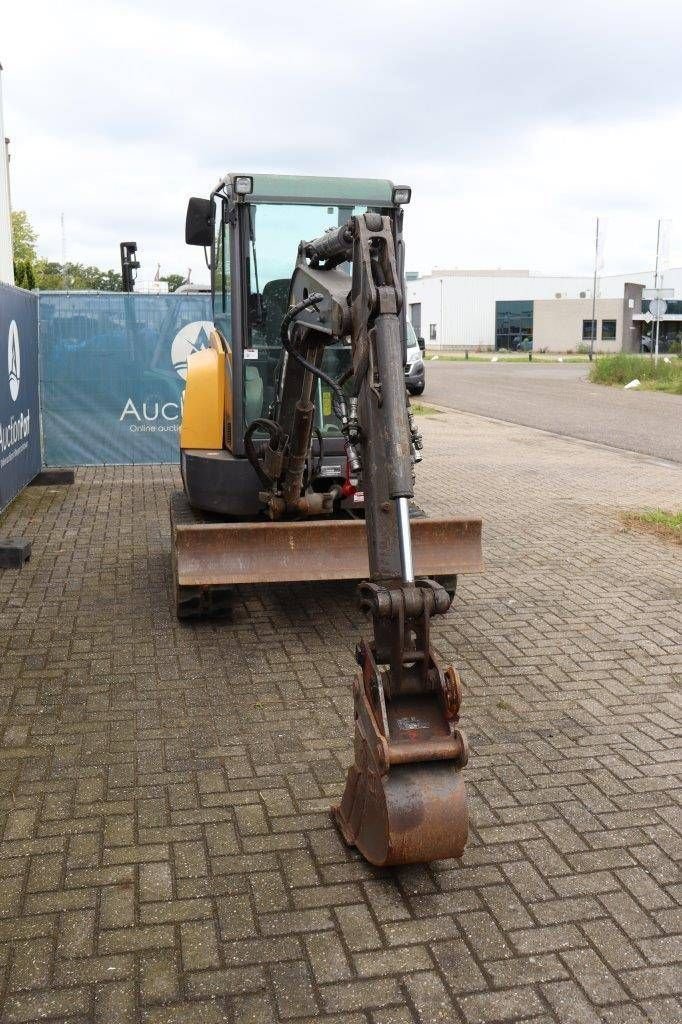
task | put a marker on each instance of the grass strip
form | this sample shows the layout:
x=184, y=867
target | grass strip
x=619, y=370
x=419, y=409
x=658, y=521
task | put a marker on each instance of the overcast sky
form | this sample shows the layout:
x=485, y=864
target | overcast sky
x=515, y=123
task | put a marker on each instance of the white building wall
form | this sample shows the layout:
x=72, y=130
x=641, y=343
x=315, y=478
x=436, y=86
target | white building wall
x=558, y=324
x=462, y=304
x=6, y=262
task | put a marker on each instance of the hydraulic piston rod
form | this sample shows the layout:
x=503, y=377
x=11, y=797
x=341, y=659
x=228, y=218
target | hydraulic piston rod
x=405, y=540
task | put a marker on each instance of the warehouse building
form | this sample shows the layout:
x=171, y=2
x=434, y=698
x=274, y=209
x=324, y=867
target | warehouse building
x=514, y=309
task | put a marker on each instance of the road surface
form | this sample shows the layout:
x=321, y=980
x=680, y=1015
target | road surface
x=166, y=838
x=558, y=397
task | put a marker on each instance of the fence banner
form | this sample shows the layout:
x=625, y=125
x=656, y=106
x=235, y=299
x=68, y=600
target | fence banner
x=19, y=397
x=113, y=369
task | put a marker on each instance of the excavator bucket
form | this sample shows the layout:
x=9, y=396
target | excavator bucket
x=405, y=798
x=415, y=814
x=211, y=555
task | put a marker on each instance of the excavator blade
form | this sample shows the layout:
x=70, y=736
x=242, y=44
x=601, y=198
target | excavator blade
x=210, y=552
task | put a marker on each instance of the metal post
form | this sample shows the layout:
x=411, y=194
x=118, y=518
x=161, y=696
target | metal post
x=654, y=348
x=442, y=332
x=593, y=325
x=128, y=265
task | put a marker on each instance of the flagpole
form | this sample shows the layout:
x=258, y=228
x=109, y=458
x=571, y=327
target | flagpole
x=654, y=348
x=594, y=291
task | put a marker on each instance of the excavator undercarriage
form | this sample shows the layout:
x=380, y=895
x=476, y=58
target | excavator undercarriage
x=404, y=799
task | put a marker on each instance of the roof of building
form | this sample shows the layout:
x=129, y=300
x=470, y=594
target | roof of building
x=496, y=272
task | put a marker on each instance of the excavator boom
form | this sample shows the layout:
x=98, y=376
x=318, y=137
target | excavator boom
x=404, y=799
x=298, y=455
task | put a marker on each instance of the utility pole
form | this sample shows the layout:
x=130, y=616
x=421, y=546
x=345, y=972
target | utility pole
x=593, y=325
x=654, y=349
x=442, y=332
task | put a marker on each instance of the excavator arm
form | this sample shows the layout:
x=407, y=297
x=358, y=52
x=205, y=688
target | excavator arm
x=404, y=800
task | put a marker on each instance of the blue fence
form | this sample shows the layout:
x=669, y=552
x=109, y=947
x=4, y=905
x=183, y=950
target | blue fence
x=112, y=369
x=19, y=399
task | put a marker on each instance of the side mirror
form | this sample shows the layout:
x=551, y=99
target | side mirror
x=199, y=222
x=422, y=344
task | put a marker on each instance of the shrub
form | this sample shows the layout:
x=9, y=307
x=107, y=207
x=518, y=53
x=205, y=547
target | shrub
x=619, y=370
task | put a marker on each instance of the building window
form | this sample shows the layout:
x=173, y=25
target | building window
x=432, y=332
x=608, y=330
x=514, y=325
x=416, y=317
x=589, y=330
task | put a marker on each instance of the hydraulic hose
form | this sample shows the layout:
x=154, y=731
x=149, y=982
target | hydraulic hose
x=274, y=432
x=312, y=300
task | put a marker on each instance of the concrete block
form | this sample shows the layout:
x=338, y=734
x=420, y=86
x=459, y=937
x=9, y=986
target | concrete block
x=13, y=553
x=52, y=477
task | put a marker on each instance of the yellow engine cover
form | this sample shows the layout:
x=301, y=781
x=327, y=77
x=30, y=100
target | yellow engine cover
x=204, y=405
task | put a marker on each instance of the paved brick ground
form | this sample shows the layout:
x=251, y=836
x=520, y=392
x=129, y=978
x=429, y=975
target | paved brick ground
x=166, y=854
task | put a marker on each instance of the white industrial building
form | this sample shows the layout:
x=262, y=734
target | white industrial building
x=6, y=261
x=487, y=309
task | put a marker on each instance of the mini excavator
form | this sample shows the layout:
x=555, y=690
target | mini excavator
x=298, y=448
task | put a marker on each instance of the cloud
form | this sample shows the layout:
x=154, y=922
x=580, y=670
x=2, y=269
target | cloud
x=516, y=125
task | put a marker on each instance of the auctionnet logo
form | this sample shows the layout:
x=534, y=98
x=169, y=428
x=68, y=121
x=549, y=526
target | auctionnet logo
x=190, y=338
x=14, y=435
x=152, y=415
x=13, y=360
x=13, y=432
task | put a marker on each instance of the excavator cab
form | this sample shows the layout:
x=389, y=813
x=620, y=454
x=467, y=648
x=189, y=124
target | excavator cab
x=298, y=449
x=253, y=225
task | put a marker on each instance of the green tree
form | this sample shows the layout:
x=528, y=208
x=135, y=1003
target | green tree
x=93, y=278
x=174, y=281
x=23, y=274
x=48, y=275
x=31, y=271
x=51, y=276
x=24, y=238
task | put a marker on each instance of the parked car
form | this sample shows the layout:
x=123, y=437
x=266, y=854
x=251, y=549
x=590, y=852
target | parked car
x=415, y=378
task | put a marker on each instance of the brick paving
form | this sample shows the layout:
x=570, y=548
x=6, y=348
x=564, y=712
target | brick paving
x=166, y=854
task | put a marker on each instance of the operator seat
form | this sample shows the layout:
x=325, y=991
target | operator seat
x=259, y=379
